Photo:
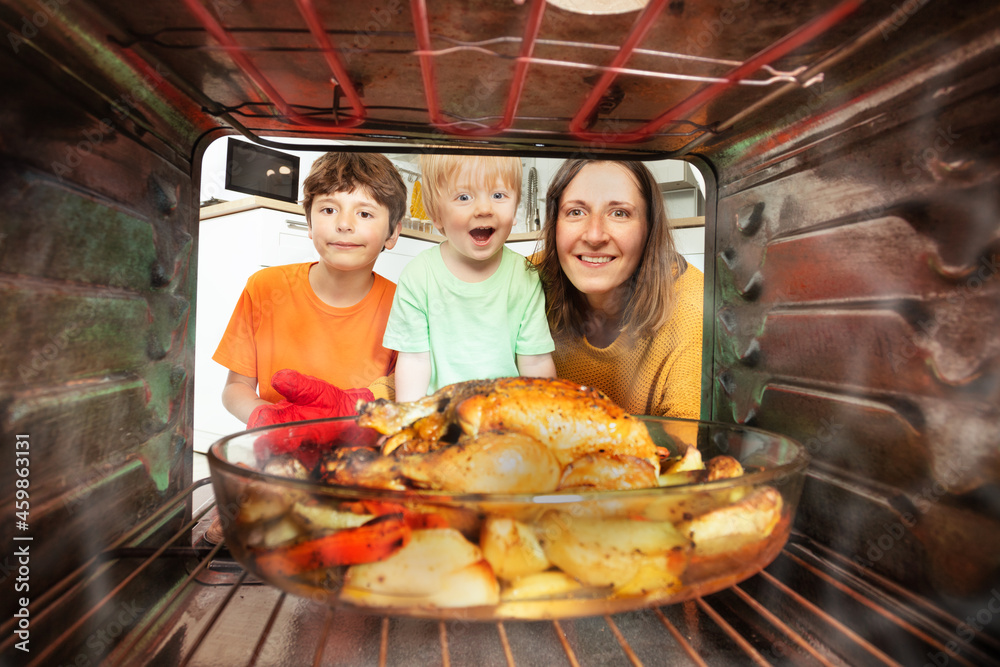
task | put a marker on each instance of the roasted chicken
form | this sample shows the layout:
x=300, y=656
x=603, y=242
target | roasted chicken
x=571, y=421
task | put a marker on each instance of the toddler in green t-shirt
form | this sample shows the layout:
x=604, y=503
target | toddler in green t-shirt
x=470, y=308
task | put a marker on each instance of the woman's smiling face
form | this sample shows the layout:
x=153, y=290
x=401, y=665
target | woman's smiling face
x=601, y=232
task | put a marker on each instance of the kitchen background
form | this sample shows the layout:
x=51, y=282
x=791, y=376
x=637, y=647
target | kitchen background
x=242, y=233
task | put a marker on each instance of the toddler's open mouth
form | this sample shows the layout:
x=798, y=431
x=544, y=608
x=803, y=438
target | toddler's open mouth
x=482, y=235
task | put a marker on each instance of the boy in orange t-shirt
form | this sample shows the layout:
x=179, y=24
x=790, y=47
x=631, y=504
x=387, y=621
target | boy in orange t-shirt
x=302, y=332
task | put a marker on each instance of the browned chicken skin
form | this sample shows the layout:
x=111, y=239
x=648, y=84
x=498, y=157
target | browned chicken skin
x=570, y=420
x=387, y=417
x=495, y=462
x=606, y=472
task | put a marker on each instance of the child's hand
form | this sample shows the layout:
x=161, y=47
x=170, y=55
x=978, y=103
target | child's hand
x=306, y=397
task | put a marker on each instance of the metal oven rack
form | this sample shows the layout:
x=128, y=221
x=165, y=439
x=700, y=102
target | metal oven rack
x=677, y=119
x=184, y=606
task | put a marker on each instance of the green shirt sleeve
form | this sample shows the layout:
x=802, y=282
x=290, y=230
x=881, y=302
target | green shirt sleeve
x=408, y=329
x=533, y=336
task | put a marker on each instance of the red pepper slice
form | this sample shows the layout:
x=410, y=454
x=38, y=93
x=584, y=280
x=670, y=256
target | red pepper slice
x=373, y=541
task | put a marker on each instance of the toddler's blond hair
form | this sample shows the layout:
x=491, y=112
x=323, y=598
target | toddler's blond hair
x=437, y=171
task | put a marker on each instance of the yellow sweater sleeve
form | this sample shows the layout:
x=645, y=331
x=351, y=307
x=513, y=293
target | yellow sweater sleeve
x=654, y=375
x=384, y=387
x=680, y=342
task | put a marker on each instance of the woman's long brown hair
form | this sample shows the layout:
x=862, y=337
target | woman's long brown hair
x=650, y=295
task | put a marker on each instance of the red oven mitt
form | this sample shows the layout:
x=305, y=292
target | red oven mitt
x=306, y=398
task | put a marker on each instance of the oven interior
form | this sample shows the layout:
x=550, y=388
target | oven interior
x=852, y=300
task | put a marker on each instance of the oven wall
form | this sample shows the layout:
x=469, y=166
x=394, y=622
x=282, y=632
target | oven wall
x=856, y=304
x=852, y=262
x=97, y=273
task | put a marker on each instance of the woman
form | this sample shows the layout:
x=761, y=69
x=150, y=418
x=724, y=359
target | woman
x=624, y=307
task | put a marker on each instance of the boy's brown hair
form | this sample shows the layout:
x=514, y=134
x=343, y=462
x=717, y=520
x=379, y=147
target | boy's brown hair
x=437, y=171
x=344, y=172
x=650, y=295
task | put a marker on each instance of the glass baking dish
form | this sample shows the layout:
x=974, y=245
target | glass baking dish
x=505, y=556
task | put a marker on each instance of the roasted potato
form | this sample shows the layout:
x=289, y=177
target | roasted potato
x=691, y=460
x=437, y=568
x=511, y=548
x=541, y=585
x=264, y=503
x=610, y=552
x=730, y=528
x=317, y=516
x=273, y=533
x=722, y=467
x=652, y=577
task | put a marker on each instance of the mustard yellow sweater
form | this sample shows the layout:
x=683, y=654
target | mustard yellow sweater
x=655, y=375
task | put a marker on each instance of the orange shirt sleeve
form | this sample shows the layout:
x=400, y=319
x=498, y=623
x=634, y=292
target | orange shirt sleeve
x=280, y=323
x=237, y=350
